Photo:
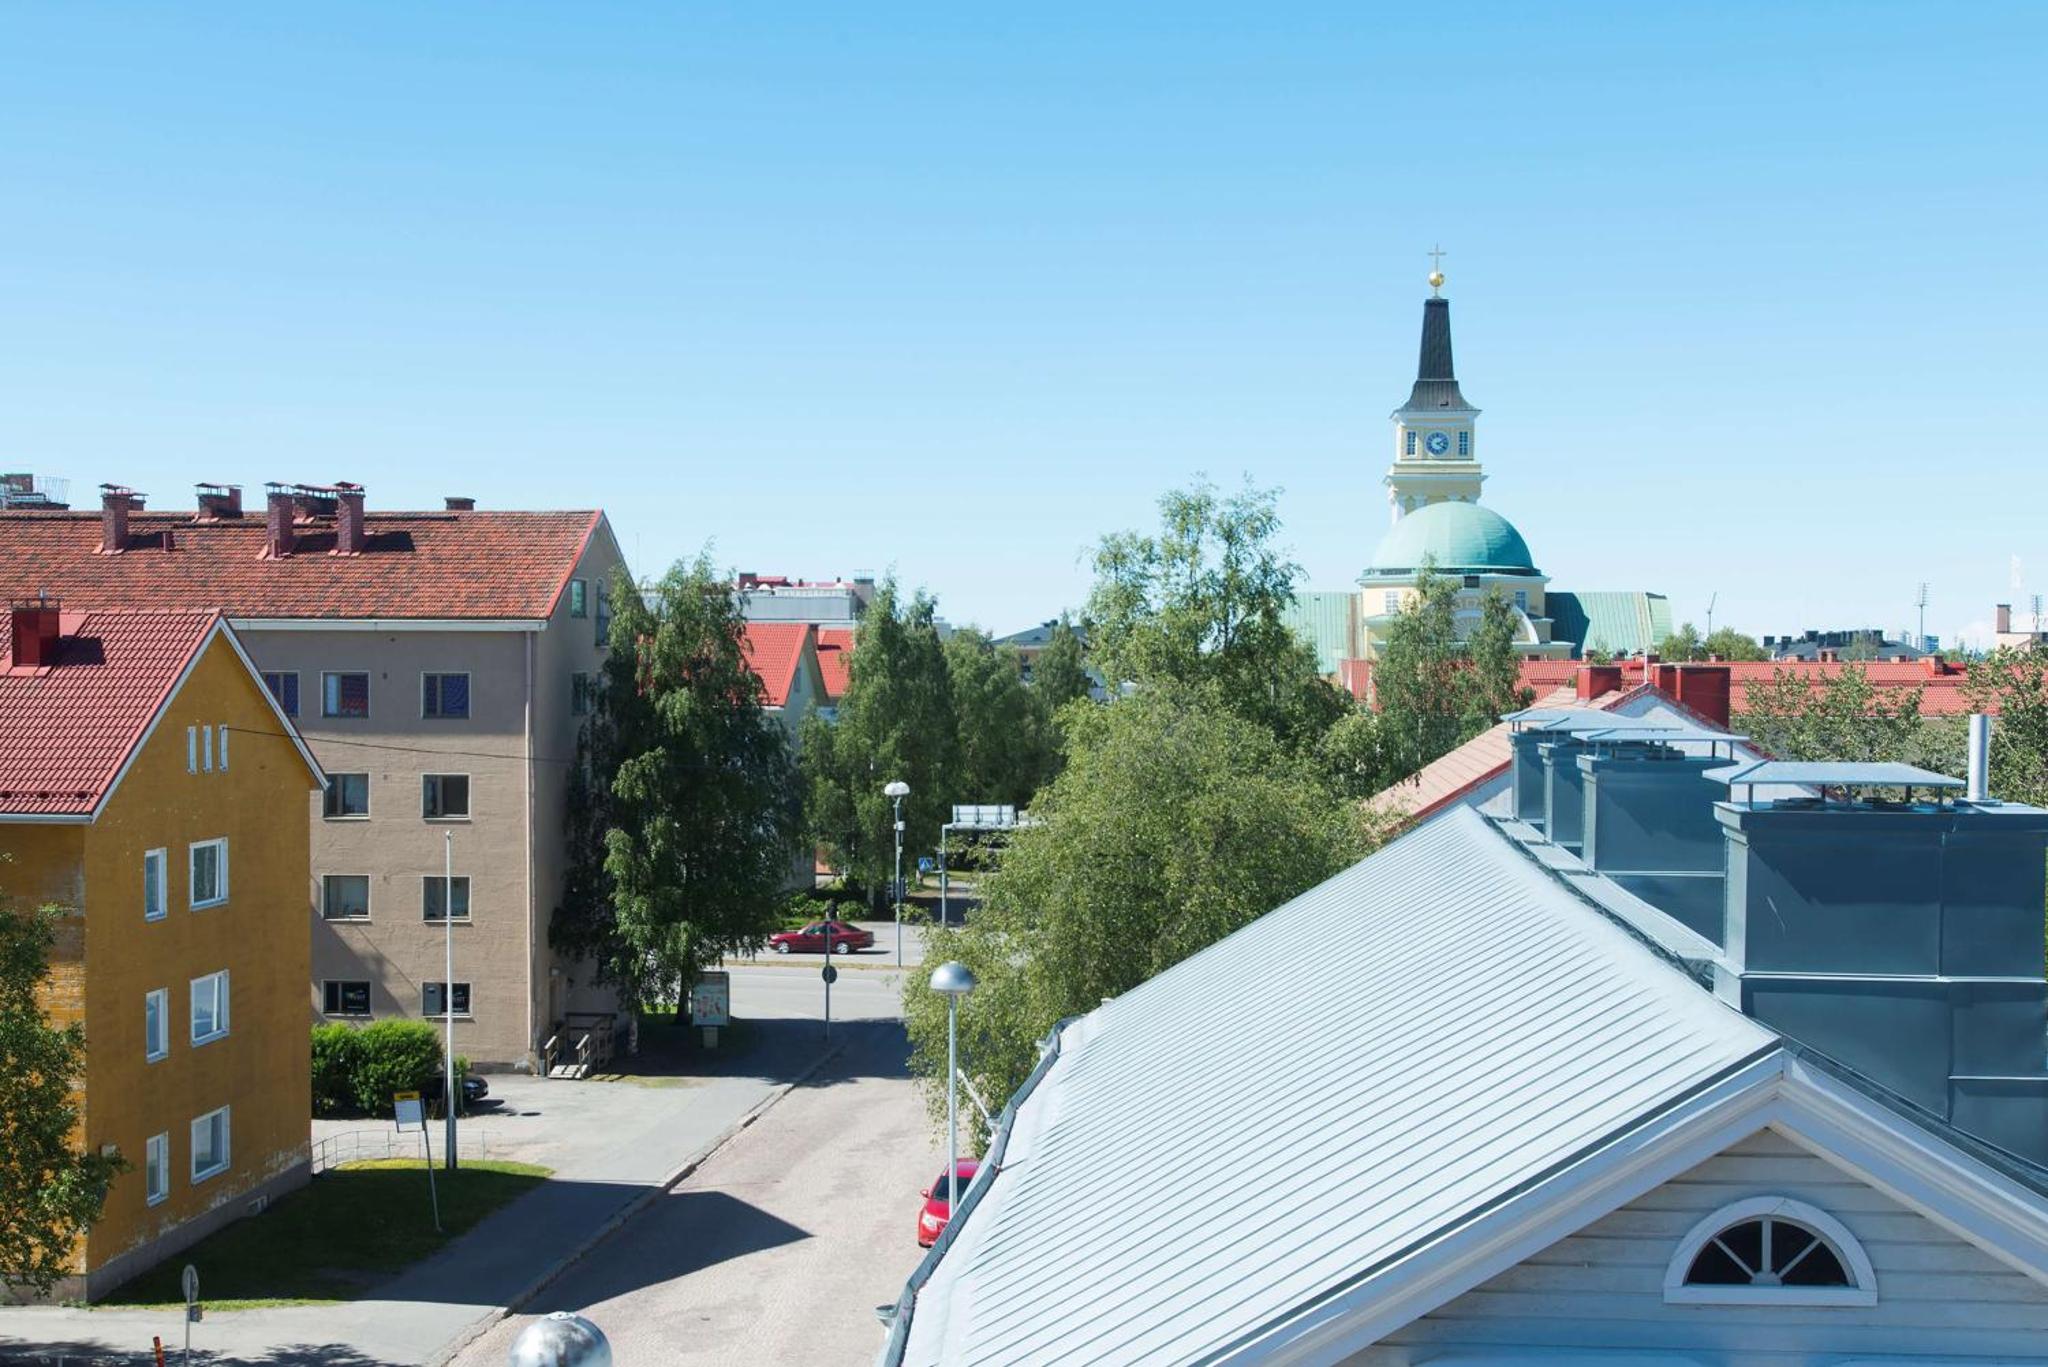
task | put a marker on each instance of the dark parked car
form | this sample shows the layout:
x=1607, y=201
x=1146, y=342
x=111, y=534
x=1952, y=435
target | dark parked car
x=474, y=1089
x=811, y=939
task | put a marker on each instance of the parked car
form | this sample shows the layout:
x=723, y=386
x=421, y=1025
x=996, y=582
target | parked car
x=812, y=939
x=931, y=1221
x=474, y=1089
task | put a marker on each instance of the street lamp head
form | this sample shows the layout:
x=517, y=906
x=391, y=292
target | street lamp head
x=953, y=979
x=896, y=788
x=561, y=1340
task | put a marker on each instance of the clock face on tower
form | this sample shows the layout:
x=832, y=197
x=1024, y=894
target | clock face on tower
x=1438, y=443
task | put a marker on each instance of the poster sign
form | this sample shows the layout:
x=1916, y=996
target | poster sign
x=711, y=999
x=408, y=1109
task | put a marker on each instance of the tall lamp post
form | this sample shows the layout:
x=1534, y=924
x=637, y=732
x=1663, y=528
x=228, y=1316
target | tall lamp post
x=896, y=790
x=953, y=979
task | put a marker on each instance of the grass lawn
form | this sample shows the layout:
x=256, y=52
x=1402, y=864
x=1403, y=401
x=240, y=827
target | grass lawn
x=336, y=1238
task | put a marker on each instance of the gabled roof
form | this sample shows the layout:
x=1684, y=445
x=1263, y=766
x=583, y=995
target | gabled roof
x=1410, y=1044
x=421, y=565
x=1940, y=681
x=775, y=651
x=835, y=659
x=69, y=730
x=1463, y=770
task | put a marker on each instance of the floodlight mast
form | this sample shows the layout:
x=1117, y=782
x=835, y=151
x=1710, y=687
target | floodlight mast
x=896, y=790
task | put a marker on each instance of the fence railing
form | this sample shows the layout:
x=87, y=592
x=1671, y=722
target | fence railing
x=355, y=1146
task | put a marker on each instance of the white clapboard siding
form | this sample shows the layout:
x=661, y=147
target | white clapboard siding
x=1602, y=1288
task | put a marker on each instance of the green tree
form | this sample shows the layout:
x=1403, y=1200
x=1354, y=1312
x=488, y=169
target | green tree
x=1175, y=822
x=1060, y=675
x=897, y=720
x=1682, y=644
x=1199, y=604
x=1726, y=643
x=2013, y=685
x=1416, y=685
x=1842, y=717
x=51, y=1191
x=1004, y=725
x=684, y=812
x=1493, y=682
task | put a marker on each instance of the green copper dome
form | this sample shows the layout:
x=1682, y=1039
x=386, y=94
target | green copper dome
x=1461, y=538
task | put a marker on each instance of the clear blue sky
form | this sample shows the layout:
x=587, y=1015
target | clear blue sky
x=1752, y=295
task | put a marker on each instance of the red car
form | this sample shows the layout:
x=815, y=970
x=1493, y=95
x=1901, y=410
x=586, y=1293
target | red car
x=931, y=1221
x=812, y=939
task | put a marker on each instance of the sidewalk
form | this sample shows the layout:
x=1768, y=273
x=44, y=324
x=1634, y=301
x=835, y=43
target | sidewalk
x=423, y=1310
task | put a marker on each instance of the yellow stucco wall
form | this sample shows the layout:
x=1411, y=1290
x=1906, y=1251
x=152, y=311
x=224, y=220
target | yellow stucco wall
x=260, y=935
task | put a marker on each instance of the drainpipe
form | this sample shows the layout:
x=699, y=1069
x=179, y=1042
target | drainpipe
x=1979, y=788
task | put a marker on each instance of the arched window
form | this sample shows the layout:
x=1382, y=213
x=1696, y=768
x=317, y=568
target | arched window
x=1770, y=1250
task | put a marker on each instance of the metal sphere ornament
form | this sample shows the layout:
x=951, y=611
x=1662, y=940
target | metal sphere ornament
x=561, y=1340
x=1436, y=280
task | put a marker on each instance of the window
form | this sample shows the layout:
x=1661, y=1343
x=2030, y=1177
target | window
x=156, y=1025
x=431, y=1003
x=156, y=1167
x=206, y=749
x=436, y=891
x=223, y=735
x=604, y=610
x=191, y=749
x=344, y=998
x=283, y=686
x=579, y=695
x=209, y=861
x=154, y=894
x=348, y=795
x=1464, y=443
x=579, y=598
x=344, y=695
x=444, y=797
x=1522, y=599
x=1409, y=449
x=1770, y=1250
x=444, y=695
x=345, y=897
x=1391, y=603
x=210, y=1144
x=209, y=1007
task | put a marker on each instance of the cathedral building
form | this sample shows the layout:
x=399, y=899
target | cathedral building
x=1433, y=489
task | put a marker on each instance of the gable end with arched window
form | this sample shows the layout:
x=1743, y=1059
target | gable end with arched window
x=1770, y=1250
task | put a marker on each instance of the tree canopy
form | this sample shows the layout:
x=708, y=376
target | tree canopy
x=1724, y=643
x=2014, y=685
x=1004, y=725
x=51, y=1191
x=1061, y=675
x=1842, y=716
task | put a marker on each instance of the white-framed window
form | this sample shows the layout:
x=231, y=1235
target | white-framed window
x=156, y=1167
x=444, y=797
x=206, y=749
x=444, y=696
x=1464, y=443
x=156, y=899
x=432, y=1004
x=1770, y=1250
x=344, y=998
x=1522, y=599
x=191, y=749
x=223, y=747
x=579, y=597
x=284, y=686
x=156, y=1025
x=579, y=694
x=436, y=890
x=209, y=1007
x=1409, y=448
x=344, y=897
x=604, y=610
x=208, y=867
x=210, y=1144
x=344, y=693
x=1391, y=602
x=347, y=797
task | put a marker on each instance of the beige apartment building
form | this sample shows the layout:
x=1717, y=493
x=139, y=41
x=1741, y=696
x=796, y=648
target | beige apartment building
x=438, y=664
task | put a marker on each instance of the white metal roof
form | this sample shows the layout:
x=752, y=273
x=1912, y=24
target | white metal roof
x=1311, y=1102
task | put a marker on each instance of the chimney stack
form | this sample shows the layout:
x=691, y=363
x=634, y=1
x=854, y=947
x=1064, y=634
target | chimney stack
x=1704, y=689
x=2001, y=618
x=1595, y=680
x=1979, y=773
x=279, y=515
x=35, y=632
x=116, y=502
x=350, y=536
x=459, y=503
x=219, y=502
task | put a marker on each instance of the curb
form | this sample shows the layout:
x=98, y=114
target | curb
x=805, y=963
x=483, y=1325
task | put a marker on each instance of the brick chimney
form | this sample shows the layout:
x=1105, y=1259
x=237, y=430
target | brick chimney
x=2001, y=618
x=35, y=632
x=219, y=502
x=1703, y=688
x=1595, y=680
x=459, y=503
x=116, y=502
x=350, y=536
x=281, y=511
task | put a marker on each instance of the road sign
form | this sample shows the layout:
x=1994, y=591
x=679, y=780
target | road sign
x=831, y=974
x=189, y=1283
x=711, y=999
x=406, y=1105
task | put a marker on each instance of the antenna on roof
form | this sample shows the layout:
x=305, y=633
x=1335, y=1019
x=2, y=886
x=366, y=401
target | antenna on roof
x=1712, y=599
x=1920, y=602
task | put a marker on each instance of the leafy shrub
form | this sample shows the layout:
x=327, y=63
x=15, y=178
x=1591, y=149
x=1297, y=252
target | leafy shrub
x=336, y=1052
x=799, y=911
x=394, y=1056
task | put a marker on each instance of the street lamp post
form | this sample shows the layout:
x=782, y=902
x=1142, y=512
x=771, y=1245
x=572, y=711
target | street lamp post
x=896, y=790
x=955, y=981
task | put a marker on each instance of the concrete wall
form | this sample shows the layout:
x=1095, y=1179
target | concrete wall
x=1601, y=1290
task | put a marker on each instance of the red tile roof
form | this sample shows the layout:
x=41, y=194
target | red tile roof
x=1450, y=776
x=1940, y=682
x=67, y=730
x=775, y=651
x=835, y=659
x=488, y=564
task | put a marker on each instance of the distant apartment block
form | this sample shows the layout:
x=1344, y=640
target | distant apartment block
x=779, y=598
x=151, y=789
x=439, y=663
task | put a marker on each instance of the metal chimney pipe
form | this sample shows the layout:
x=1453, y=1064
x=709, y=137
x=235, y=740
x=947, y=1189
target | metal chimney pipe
x=1979, y=775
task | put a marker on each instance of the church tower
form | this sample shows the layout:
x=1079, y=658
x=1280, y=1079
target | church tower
x=1435, y=450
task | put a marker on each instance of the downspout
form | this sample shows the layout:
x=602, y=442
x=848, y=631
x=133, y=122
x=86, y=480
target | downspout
x=531, y=1042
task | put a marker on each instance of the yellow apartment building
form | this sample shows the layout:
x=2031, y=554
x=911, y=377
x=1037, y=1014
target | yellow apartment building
x=151, y=787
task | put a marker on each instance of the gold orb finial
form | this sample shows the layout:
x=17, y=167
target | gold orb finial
x=1436, y=280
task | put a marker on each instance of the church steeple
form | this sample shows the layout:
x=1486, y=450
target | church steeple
x=1435, y=459
x=1436, y=379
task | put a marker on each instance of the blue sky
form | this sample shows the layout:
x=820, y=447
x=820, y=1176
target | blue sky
x=1751, y=295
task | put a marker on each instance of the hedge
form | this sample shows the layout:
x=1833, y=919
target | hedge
x=360, y=1069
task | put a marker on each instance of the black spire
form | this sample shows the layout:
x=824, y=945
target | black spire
x=1436, y=382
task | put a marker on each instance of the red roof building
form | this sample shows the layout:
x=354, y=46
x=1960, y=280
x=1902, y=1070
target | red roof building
x=835, y=661
x=784, y=657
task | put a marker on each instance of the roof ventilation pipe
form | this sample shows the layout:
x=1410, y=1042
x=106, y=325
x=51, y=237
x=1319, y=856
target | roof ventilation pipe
x=1979, y=774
